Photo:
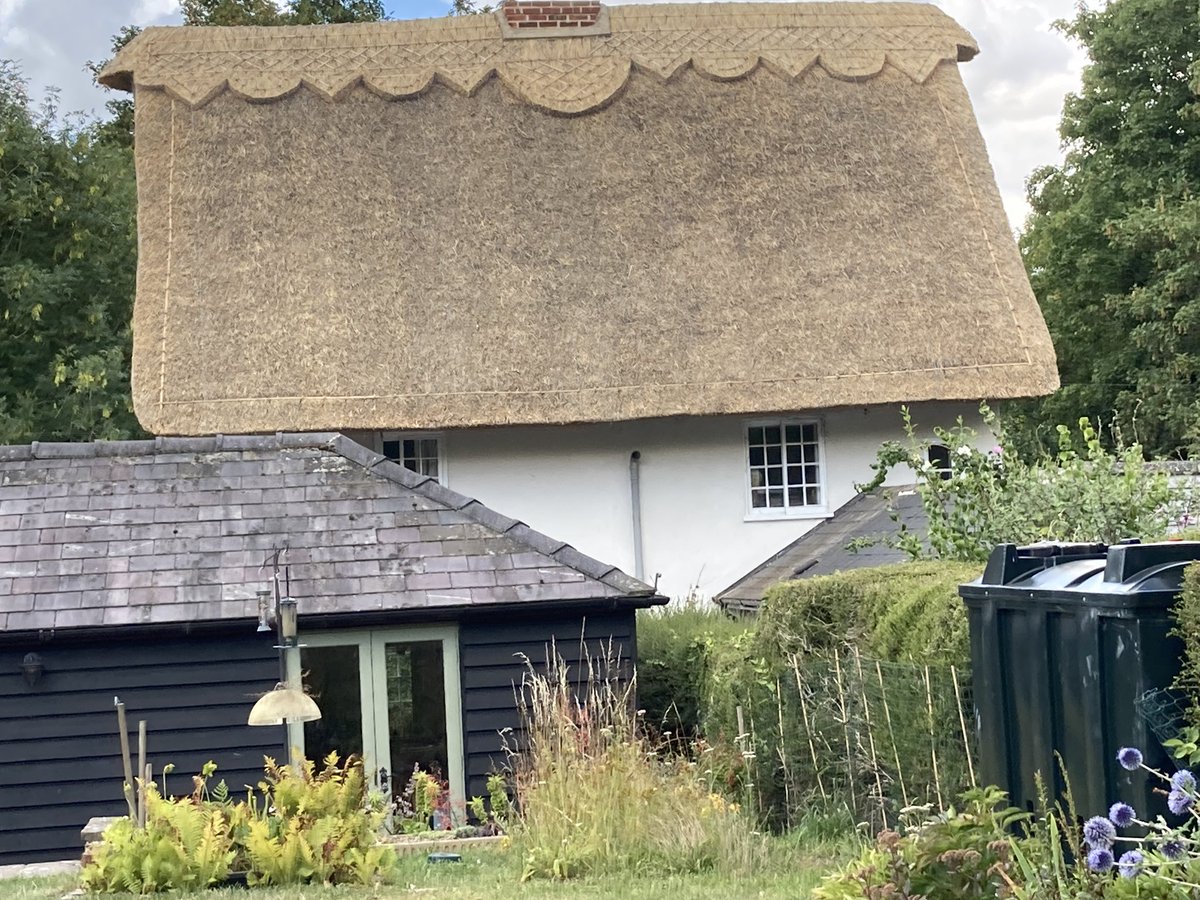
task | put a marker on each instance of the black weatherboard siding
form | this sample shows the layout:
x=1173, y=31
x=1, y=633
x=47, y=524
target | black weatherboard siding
x=493, y=662
x=60, y=757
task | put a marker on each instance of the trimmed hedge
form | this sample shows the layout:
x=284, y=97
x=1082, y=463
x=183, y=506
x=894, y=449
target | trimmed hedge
x=900, y=613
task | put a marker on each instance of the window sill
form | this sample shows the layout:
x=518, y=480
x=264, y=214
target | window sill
x=788, y=515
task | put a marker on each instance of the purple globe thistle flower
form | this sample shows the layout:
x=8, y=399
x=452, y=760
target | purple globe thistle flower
x=1183, y=780
x=1121, y=814
x=1130, y=758
x=1099, y=833
x=1100, y=860
x=1179, y=802
x=1130, y=863
x=1172, y=848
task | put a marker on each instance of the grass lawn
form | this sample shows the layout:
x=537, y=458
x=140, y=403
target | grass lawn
x=790, y=872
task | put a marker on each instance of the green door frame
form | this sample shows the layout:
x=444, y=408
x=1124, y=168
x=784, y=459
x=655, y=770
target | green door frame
x=372, y=680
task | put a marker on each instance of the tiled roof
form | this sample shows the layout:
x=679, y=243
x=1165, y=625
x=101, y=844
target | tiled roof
x=827, y=547
x=182, y=529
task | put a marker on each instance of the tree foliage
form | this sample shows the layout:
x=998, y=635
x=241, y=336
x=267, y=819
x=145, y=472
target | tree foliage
x=67, y=249
x=1080, y=493
x=268, y=12
x=1113, y=243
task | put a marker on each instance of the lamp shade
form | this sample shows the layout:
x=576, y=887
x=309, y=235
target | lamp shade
x=283, y=704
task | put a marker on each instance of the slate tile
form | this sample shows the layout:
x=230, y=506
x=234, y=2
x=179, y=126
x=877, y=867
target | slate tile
x=408, y=534
x=17, y=603
x=104, y=564
x=428, y=581
x=126, y=580
x=19, y=568
x=59, y=567
x=29, y=621
x=59, y=600
x=494, y=594
x=472, y=579
x=490, y=563
x=447, y=563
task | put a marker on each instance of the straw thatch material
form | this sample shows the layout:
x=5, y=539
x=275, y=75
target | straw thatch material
x=700, y=234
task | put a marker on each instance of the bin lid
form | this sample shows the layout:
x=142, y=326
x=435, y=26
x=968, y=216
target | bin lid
x=1126, y=575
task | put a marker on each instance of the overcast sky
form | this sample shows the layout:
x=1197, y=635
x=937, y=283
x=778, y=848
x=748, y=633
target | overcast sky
x=1017, y=82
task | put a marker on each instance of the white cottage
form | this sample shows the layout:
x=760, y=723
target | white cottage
x=653, y=279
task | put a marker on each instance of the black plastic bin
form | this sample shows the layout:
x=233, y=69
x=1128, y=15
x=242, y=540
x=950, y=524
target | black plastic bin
x=1065, y=639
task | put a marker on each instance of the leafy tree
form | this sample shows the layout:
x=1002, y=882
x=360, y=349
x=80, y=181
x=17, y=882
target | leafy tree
x=1080, y=493
x=1113, y=243
x=268, y=12
x=67, y=246
x=469, y=7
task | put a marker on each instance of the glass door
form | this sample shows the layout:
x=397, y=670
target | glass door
x=391, y=696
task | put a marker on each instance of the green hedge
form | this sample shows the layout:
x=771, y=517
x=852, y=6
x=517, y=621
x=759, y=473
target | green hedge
x=696, y=668
x=900, y=613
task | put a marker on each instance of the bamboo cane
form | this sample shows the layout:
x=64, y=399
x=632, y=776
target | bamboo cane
x=837, y=666
x=862, y=686
x=807, y=727
x=937, y=782
x=887, y=713
x=963, y=723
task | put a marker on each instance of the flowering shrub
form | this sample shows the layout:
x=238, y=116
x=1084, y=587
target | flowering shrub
x=1163, y=858
x=988, y=497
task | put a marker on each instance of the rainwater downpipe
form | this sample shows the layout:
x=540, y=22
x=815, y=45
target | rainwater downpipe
x=635, y=497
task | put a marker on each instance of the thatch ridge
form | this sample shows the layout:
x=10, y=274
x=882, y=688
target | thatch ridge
x=569, y=75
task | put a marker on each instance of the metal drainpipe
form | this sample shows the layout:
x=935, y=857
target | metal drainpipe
x=635, y=496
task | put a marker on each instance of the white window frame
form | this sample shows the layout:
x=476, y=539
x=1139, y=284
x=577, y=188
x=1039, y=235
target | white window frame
x=775, y=513
x=439, y=436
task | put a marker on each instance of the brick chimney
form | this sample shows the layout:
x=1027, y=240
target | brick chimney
x=551, y=13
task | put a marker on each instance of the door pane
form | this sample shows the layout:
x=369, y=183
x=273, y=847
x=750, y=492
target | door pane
x=416, y=709
x=331, y=676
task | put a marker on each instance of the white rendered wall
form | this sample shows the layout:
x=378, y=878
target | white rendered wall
x=572, y=483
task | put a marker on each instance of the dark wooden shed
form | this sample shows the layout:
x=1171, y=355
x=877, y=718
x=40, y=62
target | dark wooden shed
x=132, y=569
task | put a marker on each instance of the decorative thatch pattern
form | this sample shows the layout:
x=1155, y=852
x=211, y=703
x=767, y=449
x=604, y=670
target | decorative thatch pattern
x=565, y=75
x=699, y=247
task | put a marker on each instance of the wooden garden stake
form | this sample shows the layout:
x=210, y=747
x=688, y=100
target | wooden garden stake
x=807, y=727
x=937, y=782
x=126, y=761
x=837, y=667
x=141, y=794
x=887, y=712
x=963, y=722
x=862, y=686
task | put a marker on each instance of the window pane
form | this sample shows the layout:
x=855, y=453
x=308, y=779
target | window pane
x=813, y=495
x=811, y=475
x=410, y=448
x=756, y=435
x=774, y=456
x=793, y=453
x=756, y=456
x=795, y=496
x=391, y=449
x=756, y=478
x=810, y=453
x=794, y=475
x=774, y=476
x=429, y=448
x=758, y=499
x=775, y=497
x=431, y=467
x=771, y=434
x=810, y=432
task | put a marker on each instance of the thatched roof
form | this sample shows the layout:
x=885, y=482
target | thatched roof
x=708, y=208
